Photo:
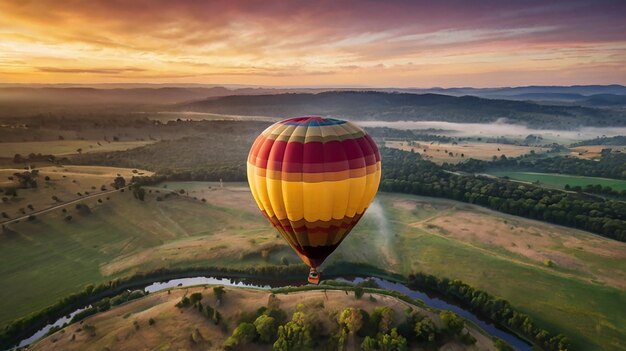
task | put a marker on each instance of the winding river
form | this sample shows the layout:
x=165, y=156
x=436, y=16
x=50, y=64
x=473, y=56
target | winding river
x=435, y=302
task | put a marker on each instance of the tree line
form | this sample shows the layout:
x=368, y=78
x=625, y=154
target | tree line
x=609, y=165
x=407, y=172
x=615, y=140
x=495, y=309
x=597, y=189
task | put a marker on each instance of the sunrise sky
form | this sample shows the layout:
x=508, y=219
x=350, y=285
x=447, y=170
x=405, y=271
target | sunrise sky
x=314, y=43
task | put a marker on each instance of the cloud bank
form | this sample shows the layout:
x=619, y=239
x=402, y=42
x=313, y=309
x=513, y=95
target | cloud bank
x=373, y=43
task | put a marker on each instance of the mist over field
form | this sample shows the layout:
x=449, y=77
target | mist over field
x=500, y=128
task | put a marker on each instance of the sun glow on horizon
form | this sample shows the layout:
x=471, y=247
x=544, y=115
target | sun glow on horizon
x=321, y=43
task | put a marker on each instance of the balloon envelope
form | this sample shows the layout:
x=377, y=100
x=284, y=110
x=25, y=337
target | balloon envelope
x=313, y=178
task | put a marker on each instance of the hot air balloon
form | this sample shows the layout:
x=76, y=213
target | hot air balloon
x=313, y=178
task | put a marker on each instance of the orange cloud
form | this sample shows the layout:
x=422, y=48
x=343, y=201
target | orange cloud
x=393, y=43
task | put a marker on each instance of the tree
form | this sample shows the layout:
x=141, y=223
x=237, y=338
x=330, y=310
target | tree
x=392, y=342
x=358, y=292
x=195, y=297
x=244, y=334
x=27, y=179
x=352, y=319
x=369, y=344
x=119, y=182
x=425, y=330
x=219, y=292
x=266, y=327
x=139, y=192
x=452, y=322
x=295, y=335
x=501, y=345
x=217, y=317
x=384, y=315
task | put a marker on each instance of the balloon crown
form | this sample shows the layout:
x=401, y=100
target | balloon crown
x=312, y=121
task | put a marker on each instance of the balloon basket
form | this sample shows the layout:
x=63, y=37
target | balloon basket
x=314, y=276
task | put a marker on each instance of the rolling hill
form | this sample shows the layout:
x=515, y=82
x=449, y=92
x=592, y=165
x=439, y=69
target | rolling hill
x=370, y=105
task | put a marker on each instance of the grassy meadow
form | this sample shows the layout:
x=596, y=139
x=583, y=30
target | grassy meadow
x=594, y=151
x=560, y=180
x=551, y=272
x=63, y=184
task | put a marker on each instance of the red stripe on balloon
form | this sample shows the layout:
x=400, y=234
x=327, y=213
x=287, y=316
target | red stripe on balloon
x=313, y=157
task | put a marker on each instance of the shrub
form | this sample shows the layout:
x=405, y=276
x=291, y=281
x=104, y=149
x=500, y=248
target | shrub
x=425, y=330
x=184, y=302
x=195, y=297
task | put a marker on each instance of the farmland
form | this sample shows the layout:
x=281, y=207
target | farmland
x=560, y=180
x=594, y=151
x=459, y=152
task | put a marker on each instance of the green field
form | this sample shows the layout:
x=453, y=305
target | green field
x=578, y=294
x=559, y=180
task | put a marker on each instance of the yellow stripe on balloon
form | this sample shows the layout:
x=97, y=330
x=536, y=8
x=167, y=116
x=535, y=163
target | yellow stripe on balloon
x=313, y=201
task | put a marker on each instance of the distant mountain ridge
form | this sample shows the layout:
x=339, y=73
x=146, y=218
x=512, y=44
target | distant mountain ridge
x=584, y=95
x=538, y=106
x=370, y=105
x=164, y=94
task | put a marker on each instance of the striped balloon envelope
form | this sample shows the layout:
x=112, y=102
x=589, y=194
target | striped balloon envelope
x=313, y=178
